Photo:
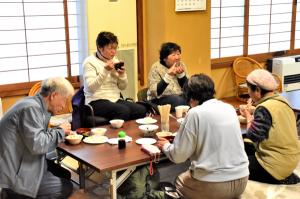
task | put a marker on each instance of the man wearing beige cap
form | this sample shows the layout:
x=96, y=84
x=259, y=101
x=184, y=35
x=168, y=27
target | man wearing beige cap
x=273, y=130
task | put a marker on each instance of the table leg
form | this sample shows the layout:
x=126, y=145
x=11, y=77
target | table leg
x=81, y=176
x=115, y=182
x=113, y=185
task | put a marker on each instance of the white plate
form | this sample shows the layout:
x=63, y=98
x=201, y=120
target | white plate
x=146, y=141
x=115, y=140
x=95, y=139
x=146, y=120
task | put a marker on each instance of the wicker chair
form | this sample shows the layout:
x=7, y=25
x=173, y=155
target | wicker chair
x=242, y=66
x=37, y=87
x=279, y=82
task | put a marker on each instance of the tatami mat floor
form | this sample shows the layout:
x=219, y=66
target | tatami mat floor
x=97, y=186
x=168, y=173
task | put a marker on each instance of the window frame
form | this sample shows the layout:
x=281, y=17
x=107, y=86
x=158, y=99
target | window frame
x=23, y=88
x=263, y=57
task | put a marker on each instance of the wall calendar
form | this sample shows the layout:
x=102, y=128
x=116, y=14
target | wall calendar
x=189, y=5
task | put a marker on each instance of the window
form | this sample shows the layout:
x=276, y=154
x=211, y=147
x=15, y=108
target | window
x=38, y=39
x=227, y=22
x=261, y=29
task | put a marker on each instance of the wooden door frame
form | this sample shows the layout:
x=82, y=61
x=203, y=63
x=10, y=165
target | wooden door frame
x=140, y=41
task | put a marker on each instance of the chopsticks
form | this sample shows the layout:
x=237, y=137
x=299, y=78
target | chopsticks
x=172, y=116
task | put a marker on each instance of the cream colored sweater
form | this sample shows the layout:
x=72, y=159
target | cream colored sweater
x=100, y=83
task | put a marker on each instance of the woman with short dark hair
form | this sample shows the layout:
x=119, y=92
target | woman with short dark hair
x=210, y=137
x=167, y=77
x=104, y=78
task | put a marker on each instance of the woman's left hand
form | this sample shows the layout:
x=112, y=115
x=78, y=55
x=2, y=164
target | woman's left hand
x=161, y=142
x=121, y=71
x=179, y=69
x=66, y=126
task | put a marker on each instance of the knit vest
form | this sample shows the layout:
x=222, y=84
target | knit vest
x=280, y=152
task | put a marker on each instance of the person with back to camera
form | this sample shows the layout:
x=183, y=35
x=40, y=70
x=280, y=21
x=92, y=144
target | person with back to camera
x=25, y=139
x=104, y=78
x=167, y=77
x=210, y=136
x=273, y=130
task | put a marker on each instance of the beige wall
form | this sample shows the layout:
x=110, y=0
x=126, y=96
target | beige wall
x=120, y=18
x=189, y=29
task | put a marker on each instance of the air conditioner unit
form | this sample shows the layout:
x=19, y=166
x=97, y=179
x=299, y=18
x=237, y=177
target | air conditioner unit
x=289, y=70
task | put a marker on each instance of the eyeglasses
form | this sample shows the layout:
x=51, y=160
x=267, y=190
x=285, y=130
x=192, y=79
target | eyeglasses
x=112, y=47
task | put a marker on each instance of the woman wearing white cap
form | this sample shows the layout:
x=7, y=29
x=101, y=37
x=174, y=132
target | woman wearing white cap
x=273, y=131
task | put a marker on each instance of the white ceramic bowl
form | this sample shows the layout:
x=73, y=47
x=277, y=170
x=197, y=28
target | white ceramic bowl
x=116, y=123
x=148, y=129
x=162, y=134
x=98, y=131
x=74, y=139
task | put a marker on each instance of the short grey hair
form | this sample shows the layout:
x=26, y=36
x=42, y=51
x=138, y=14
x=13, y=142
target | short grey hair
x=57, y=84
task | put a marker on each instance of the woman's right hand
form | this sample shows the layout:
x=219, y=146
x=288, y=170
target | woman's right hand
x=172, y=70
x=109, y=65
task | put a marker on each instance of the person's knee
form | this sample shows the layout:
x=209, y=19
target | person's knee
x=178, y=100
x=67, y=189
x=54, y=187
x=139, y=112
x=122, y=113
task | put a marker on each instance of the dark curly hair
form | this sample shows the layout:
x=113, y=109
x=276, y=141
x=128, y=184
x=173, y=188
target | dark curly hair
x=200, y=87
x=105, y=38
x=166, y=49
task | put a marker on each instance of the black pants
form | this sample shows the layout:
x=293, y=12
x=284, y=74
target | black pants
x=258, y=173
x=174, y=100
x=51, y=186
x=121, y=109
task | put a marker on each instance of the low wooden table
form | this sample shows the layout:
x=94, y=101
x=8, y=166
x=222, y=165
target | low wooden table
x=108, y=158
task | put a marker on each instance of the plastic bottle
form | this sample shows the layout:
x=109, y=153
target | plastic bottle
x=121, y=141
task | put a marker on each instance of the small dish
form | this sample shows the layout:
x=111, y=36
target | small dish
x=148, y=129
x=242, y=119
x=98, y=131
x=170, y=138
x=146, y=141
x=180, y=120
x=74, y=139
x=116, y=123
x=83, y=131
x=146, y=120
x=115, y=140
x=98, y=139
x=163, y=134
